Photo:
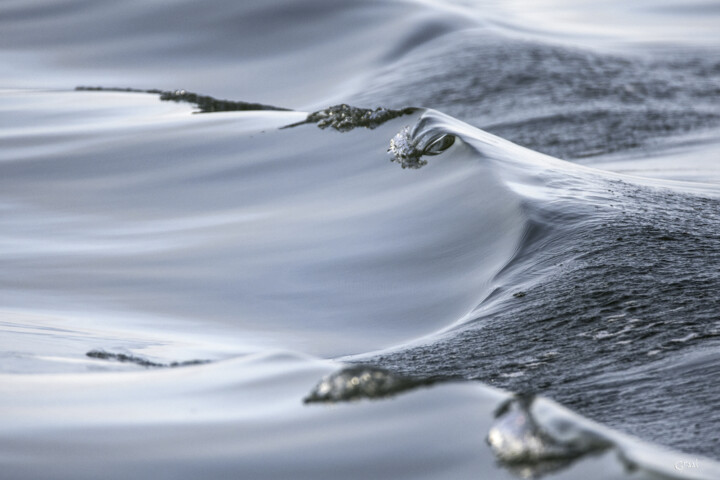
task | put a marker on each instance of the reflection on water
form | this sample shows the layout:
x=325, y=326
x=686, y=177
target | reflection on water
x=135, y=235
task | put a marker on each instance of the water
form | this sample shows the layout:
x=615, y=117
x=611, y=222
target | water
x=219, y=264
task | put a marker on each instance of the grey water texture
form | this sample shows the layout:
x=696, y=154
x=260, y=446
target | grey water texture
x=392, y=239
x=617, y=306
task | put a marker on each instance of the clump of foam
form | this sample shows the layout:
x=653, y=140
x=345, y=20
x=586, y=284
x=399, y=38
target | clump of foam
x=410, y=145
x=404, y=150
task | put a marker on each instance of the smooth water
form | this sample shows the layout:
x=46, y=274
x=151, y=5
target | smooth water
x=217, y=265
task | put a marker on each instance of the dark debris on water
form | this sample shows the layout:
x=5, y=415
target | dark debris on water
x=143, y=362
x=344, y=118
x=205, y=103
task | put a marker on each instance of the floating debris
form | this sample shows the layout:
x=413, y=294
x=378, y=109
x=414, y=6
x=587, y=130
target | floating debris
x=361, y=381
x=344, y=118
x=143, y=362
x=205, y=103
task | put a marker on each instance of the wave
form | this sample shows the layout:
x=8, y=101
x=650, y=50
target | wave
x=611, y=274
x=551, y=95
x=136, y=236
x=315, y=240
x=246, y=414
x=327, y=236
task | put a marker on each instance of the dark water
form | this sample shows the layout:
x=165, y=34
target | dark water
x=216, y=264
x=613, y=313
x=557, y=99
